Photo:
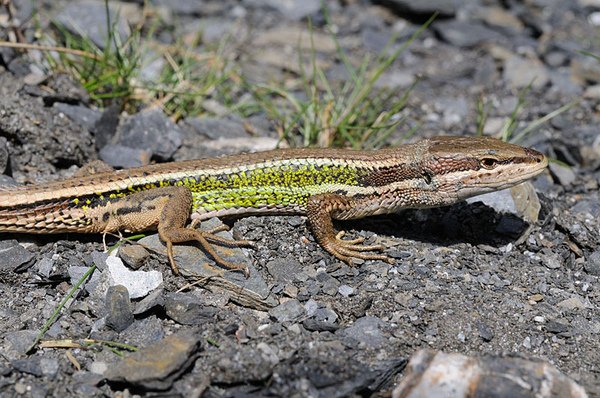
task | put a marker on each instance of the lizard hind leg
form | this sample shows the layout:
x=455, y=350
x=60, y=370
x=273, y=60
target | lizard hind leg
x=171, y=229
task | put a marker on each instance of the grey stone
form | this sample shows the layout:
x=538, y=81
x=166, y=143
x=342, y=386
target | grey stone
x=186, y=309
x=7, y=181
x=106, y=127
x=44, y=266
x=485, y=332
x=550, y=259
x=88, y=17
x=183, y=7
x=37, y=390
x=155, y=299
x=138, y=283
x=125, y=157
x=346, y=290
x=293, y=10
x=592, y=265
x=556, y=327
x=62, y=87
x=575, y=302
x=519, y=72
x=326, y=315
x=565, y=175
x=586, y=70
x=49, y=367
x=501, y=201
x=367, y=331
x=436, y=374
x=319, y=326
x=133, y=255
x=501, y=18
x=118, y=307
x=98, y=367
x=289, y=311
x=18, y=342
x=14, y=257
x=41, y=133
x=454, y=109
x=395, y=79
x=563, y=84
x=76, y=272
x=87, y=378
x=99, y=259
x=157, y=366
x=329, y=285
x=28, y=365
x=150, y=130
x=144, y=332
x=216, y=128
x=465, y=33
x=82, y=115
x=311, y=307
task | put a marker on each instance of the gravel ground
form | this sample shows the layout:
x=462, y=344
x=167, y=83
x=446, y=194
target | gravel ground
x=468, y=279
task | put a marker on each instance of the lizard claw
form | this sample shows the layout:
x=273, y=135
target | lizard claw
x=346, y=250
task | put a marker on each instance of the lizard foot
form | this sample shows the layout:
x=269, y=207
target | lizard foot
x=346, y=250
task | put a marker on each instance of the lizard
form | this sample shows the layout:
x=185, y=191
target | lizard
x=323, y=184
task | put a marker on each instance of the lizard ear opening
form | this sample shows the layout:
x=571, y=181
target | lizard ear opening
x=488, y=163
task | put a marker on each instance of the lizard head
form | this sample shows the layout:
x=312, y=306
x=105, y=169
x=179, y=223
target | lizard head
x=468, y=166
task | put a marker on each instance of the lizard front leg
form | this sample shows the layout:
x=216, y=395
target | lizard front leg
x=321, y=209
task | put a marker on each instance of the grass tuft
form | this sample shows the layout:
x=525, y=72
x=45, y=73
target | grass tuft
x=356, y=114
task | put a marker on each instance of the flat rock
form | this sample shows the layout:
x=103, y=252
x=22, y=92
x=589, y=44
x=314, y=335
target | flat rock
x=519, y=72
x=293, y=10
x=186, y=309
x=592, y=265
x=216, y=128
x=367, y=331
x=288, y=311
x=565, y=174
x=192, y=261
x=76, y=272
x=133, y=255
x=155, y=299
x=13, y=256
x=120, y=156
x=520, y=200
x=150, y=130
x=465, y=33
x=138, y=283
x=17, y=343
x=158, y=365
x=88, y=17
x=82, y=115
x=440, y=375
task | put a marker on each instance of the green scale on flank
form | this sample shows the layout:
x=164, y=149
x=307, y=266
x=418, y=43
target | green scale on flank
x=280, y=185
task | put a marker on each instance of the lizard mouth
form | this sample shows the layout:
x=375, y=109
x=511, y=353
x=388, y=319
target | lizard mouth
x=499, y=179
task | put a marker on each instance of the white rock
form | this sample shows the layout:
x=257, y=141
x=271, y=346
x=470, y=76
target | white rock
x=138, y=283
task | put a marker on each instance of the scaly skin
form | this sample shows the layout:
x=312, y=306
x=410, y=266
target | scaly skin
x=323, y=184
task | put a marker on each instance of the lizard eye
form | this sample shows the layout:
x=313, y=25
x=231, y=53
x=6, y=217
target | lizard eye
x=488, y=163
